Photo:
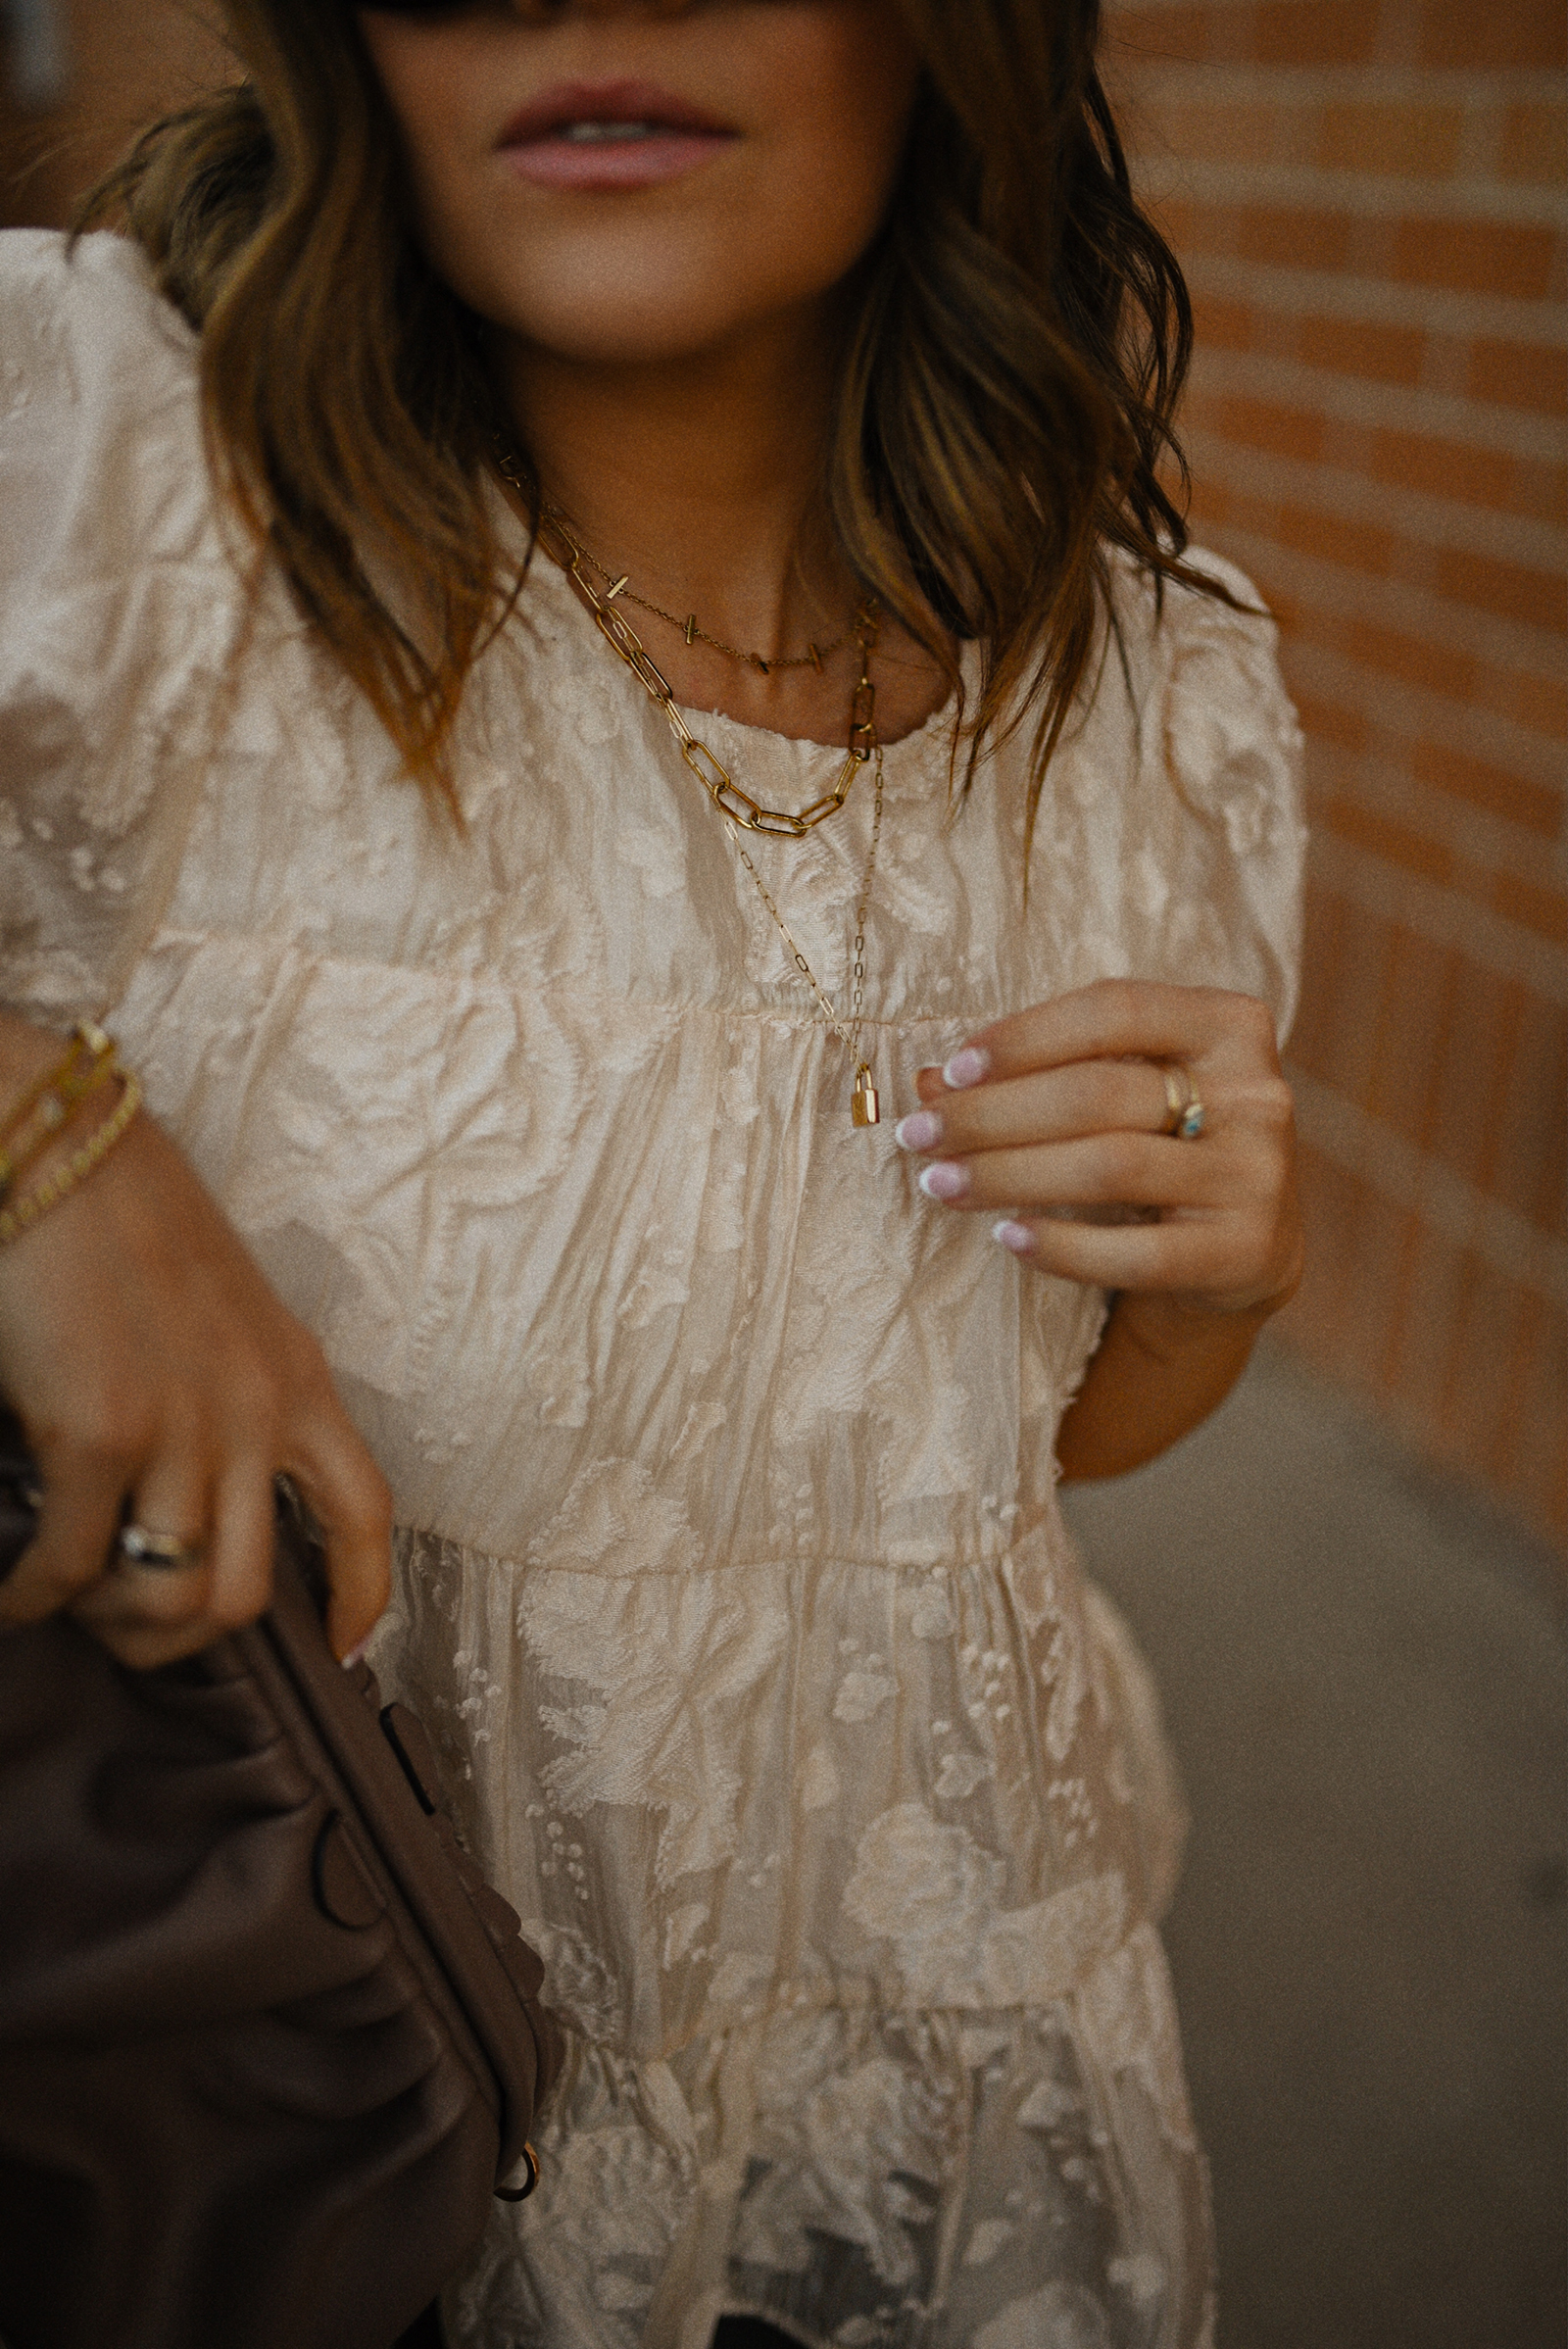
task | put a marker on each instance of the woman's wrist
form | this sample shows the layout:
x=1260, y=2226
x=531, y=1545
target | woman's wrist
x=65, y=1102
x=1162, y=1365
x=1169, y=1327
x=27, y=1054
x=54, y=1102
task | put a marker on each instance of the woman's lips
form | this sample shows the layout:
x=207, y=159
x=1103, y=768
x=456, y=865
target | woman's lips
x=616, y=134
x=641, y=161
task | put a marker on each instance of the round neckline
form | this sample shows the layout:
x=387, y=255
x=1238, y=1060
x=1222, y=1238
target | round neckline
x=939, y=721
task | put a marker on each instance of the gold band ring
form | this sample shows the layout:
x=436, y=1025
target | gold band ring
x=139, y=1545
x=1184, y=1111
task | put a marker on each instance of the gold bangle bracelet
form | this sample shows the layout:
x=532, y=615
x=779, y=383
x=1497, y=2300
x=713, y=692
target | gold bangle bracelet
x=13, y=1221
x=51, y=1104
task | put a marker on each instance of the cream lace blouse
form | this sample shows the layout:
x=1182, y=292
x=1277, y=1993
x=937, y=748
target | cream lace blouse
x=731, y=1575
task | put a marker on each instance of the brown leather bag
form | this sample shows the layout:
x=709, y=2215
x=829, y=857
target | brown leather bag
x=268, y=2040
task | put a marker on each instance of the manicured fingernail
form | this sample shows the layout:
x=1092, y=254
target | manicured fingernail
x=946, y=1180
x=356, y=1655
x=966, y=1067
x=921, y=1130
x=1015, y=1236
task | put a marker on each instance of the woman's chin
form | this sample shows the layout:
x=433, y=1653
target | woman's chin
x=643, y=316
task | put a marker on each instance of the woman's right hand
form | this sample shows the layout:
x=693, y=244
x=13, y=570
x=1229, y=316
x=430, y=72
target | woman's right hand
x=151, y=1364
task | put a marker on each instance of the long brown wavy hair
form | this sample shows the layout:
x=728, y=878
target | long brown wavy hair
x=1005, y=401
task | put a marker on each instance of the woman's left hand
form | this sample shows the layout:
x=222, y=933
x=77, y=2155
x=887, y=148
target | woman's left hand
x=1066, y=1106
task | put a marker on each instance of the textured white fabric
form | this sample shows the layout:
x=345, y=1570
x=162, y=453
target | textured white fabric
x=732, y=1583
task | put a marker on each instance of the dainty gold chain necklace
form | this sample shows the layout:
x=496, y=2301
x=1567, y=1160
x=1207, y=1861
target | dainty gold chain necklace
x=741, y=812
x=620, y=584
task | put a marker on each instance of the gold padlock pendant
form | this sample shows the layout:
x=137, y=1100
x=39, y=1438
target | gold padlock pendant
x=864, y=1108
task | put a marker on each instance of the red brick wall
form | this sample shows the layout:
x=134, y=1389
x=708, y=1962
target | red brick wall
x=1367, y=199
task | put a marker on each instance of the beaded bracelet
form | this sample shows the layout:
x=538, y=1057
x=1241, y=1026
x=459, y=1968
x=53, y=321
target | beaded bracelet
x=52, y=1101
x=55, y=1186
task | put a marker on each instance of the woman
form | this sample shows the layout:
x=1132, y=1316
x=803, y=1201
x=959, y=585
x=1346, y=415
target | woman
x=698, y=1237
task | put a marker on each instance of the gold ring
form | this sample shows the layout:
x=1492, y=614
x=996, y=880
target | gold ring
x=141, y=1547
x=1184, y=1111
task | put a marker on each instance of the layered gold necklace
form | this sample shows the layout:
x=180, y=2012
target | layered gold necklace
x=740, y=810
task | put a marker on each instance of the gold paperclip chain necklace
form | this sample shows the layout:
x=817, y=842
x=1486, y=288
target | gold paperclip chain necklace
x=559, y=543
x=741, y=812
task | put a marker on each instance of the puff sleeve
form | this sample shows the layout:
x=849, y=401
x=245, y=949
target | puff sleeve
x=121, y=608
x=1231, y=749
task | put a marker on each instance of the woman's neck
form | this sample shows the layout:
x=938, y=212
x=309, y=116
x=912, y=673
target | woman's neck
x=701, y=478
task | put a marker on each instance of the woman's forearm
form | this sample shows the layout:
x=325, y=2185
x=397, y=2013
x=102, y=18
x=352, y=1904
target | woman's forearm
x=1161, y=1369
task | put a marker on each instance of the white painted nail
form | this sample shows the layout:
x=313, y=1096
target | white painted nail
x=921, y=1130
x=966, y=1068
x=1016, y=1236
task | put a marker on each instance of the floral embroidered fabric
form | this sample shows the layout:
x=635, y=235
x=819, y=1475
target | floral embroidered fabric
x=731, y=1577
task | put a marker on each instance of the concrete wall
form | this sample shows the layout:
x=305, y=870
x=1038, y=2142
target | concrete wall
x=1367, y=197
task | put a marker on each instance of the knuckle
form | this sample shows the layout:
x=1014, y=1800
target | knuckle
x=1120, y=1159
x=1275, y=1105
x=110, y=1433
x=1259, y=1186
x=310, y=1395
x=1246, y=1250
x=1256, y=1021
x=184, y=1410
x=253, y=1400
x=306, y=1364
